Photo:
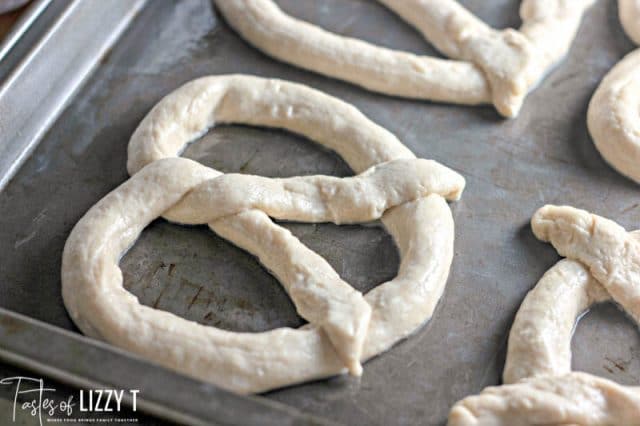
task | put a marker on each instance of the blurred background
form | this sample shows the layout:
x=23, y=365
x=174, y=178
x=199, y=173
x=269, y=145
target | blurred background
x=10, y=11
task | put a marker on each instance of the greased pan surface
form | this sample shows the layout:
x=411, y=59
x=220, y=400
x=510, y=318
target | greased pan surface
x=512, y=168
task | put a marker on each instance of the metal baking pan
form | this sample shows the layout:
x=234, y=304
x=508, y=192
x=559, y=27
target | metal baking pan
x=512, y=168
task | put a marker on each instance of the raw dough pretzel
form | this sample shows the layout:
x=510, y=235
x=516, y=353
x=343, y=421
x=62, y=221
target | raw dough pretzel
x=613, y=117
x=490, y=66
x=345, y=327
x=630, y=16
x=603, y=263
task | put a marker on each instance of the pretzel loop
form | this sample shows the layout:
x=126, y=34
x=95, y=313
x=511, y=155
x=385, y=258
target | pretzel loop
x=612, y=117
x=345, y=328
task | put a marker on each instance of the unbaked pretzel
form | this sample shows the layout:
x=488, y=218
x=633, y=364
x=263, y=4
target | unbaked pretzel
x=613, y=117
x=603, y=263
x=345, y=327
x=629, y=11
x=488, y=66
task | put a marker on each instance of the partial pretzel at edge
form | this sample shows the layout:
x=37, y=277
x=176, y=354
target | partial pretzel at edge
x=539, y=386
x=629, y=11
x=493, y=66
x=613, y=118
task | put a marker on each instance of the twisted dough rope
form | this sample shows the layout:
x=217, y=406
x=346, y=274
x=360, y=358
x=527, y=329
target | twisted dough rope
x=614, y=111
x=603, y=263
x=345, y=327
x=489, y=66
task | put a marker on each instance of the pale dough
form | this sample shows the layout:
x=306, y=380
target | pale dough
x=345, y=327
x=540, y=337
x=540, y=388
x=613, y=117
x=611, y=254
x=630, y=17
x=490, y=66
x=570, y=399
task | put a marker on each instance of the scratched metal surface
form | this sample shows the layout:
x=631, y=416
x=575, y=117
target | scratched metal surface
x=512, y=168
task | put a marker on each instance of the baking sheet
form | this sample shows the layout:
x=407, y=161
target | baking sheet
x=512, y=168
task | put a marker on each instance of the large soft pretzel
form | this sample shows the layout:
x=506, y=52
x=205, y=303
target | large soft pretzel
x=613, y=117
x=345, y=327
x=603, y=263
x=488, y=66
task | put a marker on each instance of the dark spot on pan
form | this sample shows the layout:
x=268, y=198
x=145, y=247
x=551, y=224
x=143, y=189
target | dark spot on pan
x=617, y=364
x=631, y=207
x=195, y=297
x=157, y=301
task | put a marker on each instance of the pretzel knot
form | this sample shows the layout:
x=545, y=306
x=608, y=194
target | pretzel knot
x=602, y=263
x=486, y=65
x=408, y=194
